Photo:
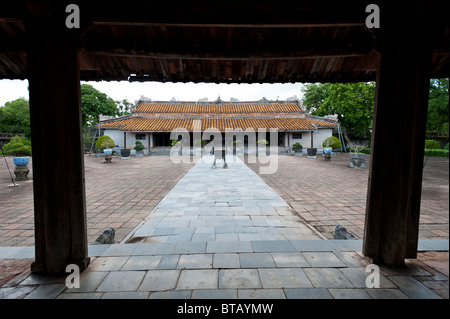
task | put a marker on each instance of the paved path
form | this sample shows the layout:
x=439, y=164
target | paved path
x=217, y=204
x=224, y=234
x=276, y=269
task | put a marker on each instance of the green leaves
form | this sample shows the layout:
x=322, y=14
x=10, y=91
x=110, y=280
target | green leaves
x=438, y=120
x=17, y=147
x=352, y=103
x=15, y=117
x=104, y=141
x=95, y=103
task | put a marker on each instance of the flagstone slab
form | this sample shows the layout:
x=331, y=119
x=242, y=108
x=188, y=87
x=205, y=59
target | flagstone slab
x=198, y=279
x=159, y=280
x=239, y=279
x=121, y=281
x=284, y=278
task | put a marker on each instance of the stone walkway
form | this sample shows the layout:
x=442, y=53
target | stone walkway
x=278, y=269
x=217, y=204
x=224, y=234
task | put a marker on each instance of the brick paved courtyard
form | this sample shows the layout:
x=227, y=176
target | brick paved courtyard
x=123, y=193
x=119, y=195
x=325, y=194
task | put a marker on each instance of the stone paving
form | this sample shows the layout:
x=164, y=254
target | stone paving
x=277, y=269
x=327, y=193
x=217, y=204
x=119, y=195
x=214, y=258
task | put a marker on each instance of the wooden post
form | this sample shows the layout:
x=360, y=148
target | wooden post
x=395, y=176
x=58, y=160
x=124, y=140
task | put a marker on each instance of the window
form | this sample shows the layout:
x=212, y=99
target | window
x=140, y=136
x=297, y=136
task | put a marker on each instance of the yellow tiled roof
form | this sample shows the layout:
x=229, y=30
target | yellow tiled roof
x=240, y=108
x=143, y=124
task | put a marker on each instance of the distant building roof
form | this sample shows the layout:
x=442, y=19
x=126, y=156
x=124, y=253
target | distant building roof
x=167, y=116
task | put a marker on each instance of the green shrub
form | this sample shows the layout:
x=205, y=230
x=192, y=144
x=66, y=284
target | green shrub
x=332, y=142
x=446, y=147
x=436, y=153
x=174, y=142
x=105, y=142
x=262, y=142
x=17, y=147
x=365, y=150
x=139, y=146
x=432, y=145
x=297, y=147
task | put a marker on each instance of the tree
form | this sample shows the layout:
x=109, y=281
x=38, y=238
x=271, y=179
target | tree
x=315, y=95
x=15, y=117
x=95, y=103
x=438, y=120
x=352, y=103
x=124, y=107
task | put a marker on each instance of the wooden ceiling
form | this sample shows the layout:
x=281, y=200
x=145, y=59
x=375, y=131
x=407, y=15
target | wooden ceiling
x=219, y=42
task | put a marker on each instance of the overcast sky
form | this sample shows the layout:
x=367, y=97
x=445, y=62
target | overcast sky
x=11, y=90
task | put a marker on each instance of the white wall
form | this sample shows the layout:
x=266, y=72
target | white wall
x=117, y=137
x=319, y=136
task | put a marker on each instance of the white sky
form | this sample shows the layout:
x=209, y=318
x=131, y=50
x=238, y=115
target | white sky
x=13, y=89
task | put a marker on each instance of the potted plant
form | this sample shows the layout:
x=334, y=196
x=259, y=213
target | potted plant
x=106, y=144
x=21, y=150
x=312, y=151
x=262, y=142
x=297, y=148
x=357, y=158
x=173, y=143
x=139, y=147
x=329, y=144
x=125, y=153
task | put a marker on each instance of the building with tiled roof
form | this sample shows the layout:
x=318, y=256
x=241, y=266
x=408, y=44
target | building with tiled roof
x=152, y=122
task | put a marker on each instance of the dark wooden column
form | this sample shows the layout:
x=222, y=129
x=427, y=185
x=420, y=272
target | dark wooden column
x=58, y=162
x=395, y=177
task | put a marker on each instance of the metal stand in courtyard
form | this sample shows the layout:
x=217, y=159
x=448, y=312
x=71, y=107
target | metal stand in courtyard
x=220, y=154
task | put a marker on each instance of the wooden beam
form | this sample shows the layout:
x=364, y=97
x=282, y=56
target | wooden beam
x=325, y=13
x=232, y=55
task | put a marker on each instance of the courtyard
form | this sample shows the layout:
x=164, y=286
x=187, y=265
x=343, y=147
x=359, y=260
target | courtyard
x=322, y=195
x=244, y=234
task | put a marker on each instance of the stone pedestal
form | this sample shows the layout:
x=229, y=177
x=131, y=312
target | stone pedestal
x=21, y=173
x=358, y=160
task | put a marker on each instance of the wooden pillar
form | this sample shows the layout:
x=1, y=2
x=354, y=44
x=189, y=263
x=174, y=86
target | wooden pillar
x=124, y=140
x=56, y=133
x=400, y=114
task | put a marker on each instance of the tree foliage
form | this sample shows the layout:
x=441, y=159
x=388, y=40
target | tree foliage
x=351, y=102
x=438, y=106
x=95, y=103
x=15, y=117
